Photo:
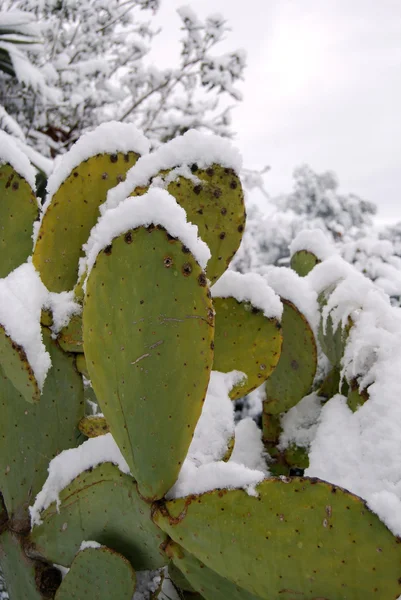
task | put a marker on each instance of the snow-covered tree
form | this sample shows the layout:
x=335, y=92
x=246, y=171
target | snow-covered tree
x=314, y=203
x=96, y=54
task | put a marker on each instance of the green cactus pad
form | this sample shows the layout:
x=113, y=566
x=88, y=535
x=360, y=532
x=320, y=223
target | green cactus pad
x=216, y=206
x=356, y=397
x=98, y=573
x=297, y=456
x=303, y=261
x=293, y=377
x=333, y=341
x=31, y=435
x=73, y=211
x=80, y=362
x=207, y=582
x=18, y=211
x=247, y=341
x=26, y=579
x=148, y=303
x=70, y=337
x=299, y=538
x=17, y=368
x=178, y=578
x=93, y=426
x=101, y=505
x=330, y=386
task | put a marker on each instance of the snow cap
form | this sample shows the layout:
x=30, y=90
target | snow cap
x=249, y=287
x=11, y=154
x=110, y=137
x=191, y=148
x=157, y=207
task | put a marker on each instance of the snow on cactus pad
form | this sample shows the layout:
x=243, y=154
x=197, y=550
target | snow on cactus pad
x=147, y=302
x=18, y=205
x=247, y=329
x=299, y=537
x=201, y=172
x=77, y=187
x=23, y=355
x=100, y=504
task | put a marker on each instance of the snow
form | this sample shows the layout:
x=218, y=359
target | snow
x=360, y=451
x=69, y=464
x=193, y=147
x=248, y=448
x=314, y=241
x=109, y=137
x=157, y=207
x=216, y=424
x=299, y=424
x=149, y=582
x=63, y=307
x=290, y=286
x=202, y=469
x=249, y=287
x=89, y=544
x=22, y=296
x=11, y=154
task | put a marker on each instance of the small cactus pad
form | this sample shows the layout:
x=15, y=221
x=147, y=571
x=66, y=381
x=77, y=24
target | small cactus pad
x=98, y=573
x=215, y=204
x=73, y=211
x=207, y=582
x=293, y=377
x=333, y=341
x=147, y=302
x=303, y=261
x=16, y=367
x=32, y=434
x=101, y=505
x=70, y=337
x=356, y=397
x=26, y=579
x=298, y=538
x=245, y=340
x=18, y=211
x=93, y=426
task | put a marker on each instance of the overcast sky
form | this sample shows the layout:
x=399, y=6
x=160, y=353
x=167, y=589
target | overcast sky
x=322, y=86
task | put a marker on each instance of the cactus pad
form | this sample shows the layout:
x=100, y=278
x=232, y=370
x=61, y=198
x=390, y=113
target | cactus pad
x=208, y=583
x=245, y=340
x=33, y=434
x=73, y=211
x=16, y=367
x=18, y=211
x=26, y=579
x=293, y=377
x=299, y=538
x=356, y=397
x=303, y=261
x=93, y=426
x=70, y=337
x=216, y=205
x=98, y=573
x=102, y=505
x=148, y=303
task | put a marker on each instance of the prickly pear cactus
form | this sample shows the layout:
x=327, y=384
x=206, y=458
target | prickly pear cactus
x=124, y=342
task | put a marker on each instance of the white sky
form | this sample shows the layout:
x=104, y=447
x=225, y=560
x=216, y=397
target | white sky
x=322, y=86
